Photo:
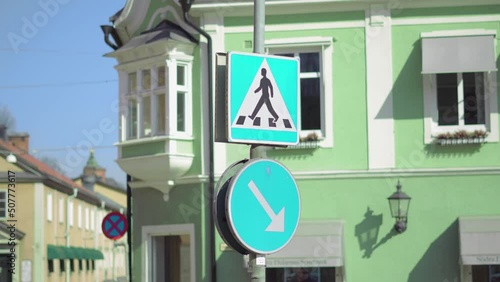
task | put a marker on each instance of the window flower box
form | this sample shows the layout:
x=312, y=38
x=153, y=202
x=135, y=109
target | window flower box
x=311, y=141
x=461, y=137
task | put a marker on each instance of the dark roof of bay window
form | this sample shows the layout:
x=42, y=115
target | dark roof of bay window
x=163, y=31
x=114, y=17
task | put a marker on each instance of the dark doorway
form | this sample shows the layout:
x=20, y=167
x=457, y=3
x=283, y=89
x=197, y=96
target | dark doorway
x=5, y=275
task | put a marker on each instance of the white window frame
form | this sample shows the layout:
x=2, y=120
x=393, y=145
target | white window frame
x=92, y=220
x=4, y=191
x=100, y=219
x=323, y=45
x=71, y=214
x=148, y=232
x=169, y=90
x=432, y=128
x=80, y=216
x=172, y=64
x=87, y=219
x=61, y=210
x=50, y=208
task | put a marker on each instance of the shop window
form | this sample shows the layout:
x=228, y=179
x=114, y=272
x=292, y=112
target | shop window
x=486, y=273
x=72, y=265
x=298, y=274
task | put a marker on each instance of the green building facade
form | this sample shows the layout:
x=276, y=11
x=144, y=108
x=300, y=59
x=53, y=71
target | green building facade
x=390, y=91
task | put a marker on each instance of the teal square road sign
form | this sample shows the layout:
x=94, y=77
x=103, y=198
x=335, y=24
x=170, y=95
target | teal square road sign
x=263, y=99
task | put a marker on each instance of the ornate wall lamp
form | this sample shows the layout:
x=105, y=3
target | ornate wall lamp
x=399, y=203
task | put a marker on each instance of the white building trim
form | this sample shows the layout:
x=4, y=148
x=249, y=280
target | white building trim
x=165, y=230
x=379, y=82
x=301, y=26
x=132, y=17
x=445, y=20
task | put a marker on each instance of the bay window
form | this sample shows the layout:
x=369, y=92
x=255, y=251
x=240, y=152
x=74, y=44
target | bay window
x=160, y=104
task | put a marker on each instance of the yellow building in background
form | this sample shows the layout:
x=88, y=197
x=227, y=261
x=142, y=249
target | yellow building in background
x=50, y=226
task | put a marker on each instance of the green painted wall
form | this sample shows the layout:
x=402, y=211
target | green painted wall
x=145, y=149
x=187, y=204
x=399, y=12
x=411, y=152
x=349, y=98
x=155, y=6
x=427, y=251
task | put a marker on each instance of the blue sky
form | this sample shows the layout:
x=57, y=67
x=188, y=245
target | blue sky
x=60, y=42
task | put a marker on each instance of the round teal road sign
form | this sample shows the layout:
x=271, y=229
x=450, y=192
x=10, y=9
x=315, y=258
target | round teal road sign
x=263, y=206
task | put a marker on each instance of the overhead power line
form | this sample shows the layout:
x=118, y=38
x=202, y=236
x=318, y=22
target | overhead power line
x=33, y=50
x=76, y=83
x=37, y=151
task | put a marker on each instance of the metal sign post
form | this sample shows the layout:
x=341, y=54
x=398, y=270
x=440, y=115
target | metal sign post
x=258, y=271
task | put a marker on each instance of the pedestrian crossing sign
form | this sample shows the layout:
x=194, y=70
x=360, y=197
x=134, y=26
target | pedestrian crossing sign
x=263, y=99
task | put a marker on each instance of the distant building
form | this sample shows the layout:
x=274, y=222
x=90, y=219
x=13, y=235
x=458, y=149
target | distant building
x=58, y=235
x=94, y=179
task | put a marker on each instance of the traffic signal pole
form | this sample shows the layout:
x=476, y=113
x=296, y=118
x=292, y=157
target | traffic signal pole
x=258, y=271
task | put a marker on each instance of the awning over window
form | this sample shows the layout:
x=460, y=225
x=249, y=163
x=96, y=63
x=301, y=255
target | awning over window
x=480, y=240
x=315, y=244
x=63, y=252
x=56, y=252
x=462, y=52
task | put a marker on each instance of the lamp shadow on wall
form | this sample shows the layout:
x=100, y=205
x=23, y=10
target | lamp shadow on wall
x=367, y=232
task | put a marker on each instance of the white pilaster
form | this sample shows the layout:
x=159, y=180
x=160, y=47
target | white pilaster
x=171, y=96
x=381, y=150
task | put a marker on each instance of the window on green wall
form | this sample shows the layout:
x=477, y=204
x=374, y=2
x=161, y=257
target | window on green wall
x=460, y=99
x=460, y=92
x=315, y=54
x=310, y=89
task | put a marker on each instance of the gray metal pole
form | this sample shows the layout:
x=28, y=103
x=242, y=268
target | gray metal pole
x=258, y=272
x=259, y=21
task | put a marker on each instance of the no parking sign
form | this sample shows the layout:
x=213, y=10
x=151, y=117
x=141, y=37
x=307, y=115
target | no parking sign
x=114, y=225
